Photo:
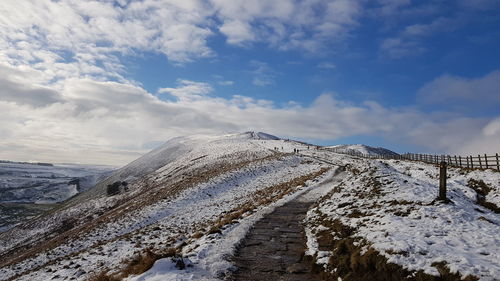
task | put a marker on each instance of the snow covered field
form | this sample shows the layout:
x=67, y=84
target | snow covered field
x=169, y=205
x=389, y=206
x=194, y=198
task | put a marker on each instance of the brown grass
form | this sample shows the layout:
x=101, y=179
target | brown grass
x=140, y=263
x=482, y=189
x=479, y=186
x=152, y=194
x=103, y=276
x=351, y=263
x=136, y=265
x=263, y=197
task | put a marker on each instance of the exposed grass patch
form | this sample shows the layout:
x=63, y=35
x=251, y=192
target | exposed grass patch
x=479, y=186
x=264, y=197
x=485, y=219
x=136, y=265
x=353, y=259
x=153, y=192
x=141, y=263
x=358, y=214
x=103, y=276
x=482, y=189
x=446, y=275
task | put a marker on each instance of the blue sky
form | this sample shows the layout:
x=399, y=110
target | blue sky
x=109, y=80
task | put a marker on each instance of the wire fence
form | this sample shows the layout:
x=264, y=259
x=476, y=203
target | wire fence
x=470, y=162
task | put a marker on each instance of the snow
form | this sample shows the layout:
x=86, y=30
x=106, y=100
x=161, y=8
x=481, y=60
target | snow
x=363, y=149
x=208, y=256
x=154, y=224
x=462, y=234
x=28, y=183
x=23, y=186
x=168, y=203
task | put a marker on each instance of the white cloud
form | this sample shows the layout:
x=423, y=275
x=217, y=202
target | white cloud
x=89, y=38
x=480, y=4
x=309, y=25
x=413, y=25
x=226, y=83
x=92, y=32
x=326, y=65
x=450, y=90
x=440, y=24
x=263, y=74
x=111, y=122
x=237, y=32
x=188, y=90
x=64, y=95
x=399, y=47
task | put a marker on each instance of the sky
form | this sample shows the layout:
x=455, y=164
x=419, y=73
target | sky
x=103, y=82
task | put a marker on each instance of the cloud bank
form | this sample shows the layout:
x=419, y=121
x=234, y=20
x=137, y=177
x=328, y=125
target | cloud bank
x=84, y=120
x=65, y=95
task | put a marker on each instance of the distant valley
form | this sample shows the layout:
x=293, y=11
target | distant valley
x=29, y=189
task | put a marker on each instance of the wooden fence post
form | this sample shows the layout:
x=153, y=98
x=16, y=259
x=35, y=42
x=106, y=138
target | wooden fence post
x=480, y=165
x=442, y=181
x=471, y=163
x=460, y=160
x=498, y=164
x=486, y=160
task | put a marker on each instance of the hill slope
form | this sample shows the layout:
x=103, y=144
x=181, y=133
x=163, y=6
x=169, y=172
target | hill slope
x=363, y=149
x=193, y=199
x=29, y=189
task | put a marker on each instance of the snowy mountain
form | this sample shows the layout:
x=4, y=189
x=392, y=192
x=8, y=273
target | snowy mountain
x=190, y=202
x=363, y=149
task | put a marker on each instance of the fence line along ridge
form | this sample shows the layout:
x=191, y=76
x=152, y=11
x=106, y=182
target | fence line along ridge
x=470, y=162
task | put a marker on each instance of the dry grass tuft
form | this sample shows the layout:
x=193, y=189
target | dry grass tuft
x=103, y=276
x=350, y=263
x=482, y=189
x=143, y=262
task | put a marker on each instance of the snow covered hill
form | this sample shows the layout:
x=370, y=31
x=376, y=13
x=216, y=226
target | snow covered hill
x=27, y=189
x=171, y=151
x=44, y=183
x=363, y=149
x=193, y=199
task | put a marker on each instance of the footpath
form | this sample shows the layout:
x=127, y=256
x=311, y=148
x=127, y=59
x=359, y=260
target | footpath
x=274, y=248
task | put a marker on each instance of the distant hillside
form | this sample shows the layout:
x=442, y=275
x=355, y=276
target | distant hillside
x=29, y=189
x=364, y=149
